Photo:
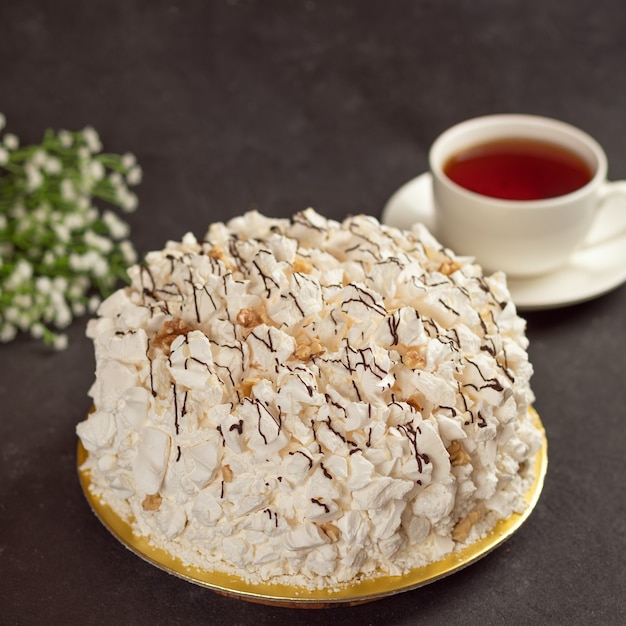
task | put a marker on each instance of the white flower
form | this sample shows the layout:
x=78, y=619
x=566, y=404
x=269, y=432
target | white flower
x=62, y=232
x=40, y=214
x=22, y=273
x=116, y=180
x=93, y=304
x=36, y=330
x=92, y=139
x=24, y=321
x=63, y=314
x=128, y=200
x=11, y=142
x=39, y=158
x=96, y=170
x=59, y=285
x=68, y=192
x=82, y=203
x=102, y=244
x=128, y=252
x=100, y=268
x=134, y=175
x=76, y=262
x=34, y=177
x=7, y=333
x=3, y=225
x=23, y=300
x=11, y=315
x=78, y=287
x=4, y=155
x=43, y=284
x=66, y=139
x=89, y=259
x=118, y=229
x=52, y=165
x=74, y=221
x=78, y=308
x=128, y=161
x=60, y=342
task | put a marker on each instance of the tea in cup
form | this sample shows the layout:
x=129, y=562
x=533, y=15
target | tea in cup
x=520, y=193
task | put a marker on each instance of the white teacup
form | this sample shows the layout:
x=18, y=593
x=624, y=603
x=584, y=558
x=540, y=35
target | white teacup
x=520, y=237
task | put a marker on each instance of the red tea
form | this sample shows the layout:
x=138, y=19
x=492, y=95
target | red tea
x=518, y=169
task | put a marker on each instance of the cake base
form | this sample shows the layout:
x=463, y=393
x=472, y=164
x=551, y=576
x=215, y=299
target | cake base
x=358, y=592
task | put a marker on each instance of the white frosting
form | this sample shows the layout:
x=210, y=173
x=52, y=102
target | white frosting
x=307, y=401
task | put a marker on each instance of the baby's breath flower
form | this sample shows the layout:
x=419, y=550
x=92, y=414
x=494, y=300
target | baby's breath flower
x=128, y=252
x=128, y=161
x=117, y=228
x=43, y=284
x=11, y=142
x=134, y=175
x=127, y=199
x=52, y=165
x=37, y=330
x=39, y=158
x=78, y=308
x=68, y=192
x=102, y=244
x=59, y=254
x=92, y=139
x=96, y=170
x=59, y=342
x=7, y=333
x=93, y=304
x=34, y=177
x=62, y=232
x=116, y=180
x=66, y=139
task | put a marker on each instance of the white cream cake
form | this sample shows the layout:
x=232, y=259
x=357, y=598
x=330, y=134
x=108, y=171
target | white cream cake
x=309, y=402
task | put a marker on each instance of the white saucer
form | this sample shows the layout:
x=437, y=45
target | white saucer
x=591, y=272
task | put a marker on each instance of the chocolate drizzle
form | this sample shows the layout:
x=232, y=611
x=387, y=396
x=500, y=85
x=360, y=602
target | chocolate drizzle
x=305, y=455
x=411, y=432
x=176, y=424
x=319, y=503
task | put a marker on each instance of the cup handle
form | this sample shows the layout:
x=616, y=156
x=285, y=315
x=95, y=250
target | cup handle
x=610, y=218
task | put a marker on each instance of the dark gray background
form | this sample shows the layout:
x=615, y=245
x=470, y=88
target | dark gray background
x=239, y=104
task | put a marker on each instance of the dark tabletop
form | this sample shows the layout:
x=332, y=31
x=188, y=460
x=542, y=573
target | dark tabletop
x=238, y=104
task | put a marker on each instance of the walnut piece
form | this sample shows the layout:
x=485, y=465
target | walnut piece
x=301, y=266
x=449, y=267
x=227, y=474
x=458, y=454
x=414, y=401
x=245, y=386
x=304, y=351
x=462, y=528
x=168, y=332
x=248, y=318
x=152, y=502
x=413, y=358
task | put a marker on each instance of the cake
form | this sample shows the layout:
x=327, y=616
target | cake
x=309, y=402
